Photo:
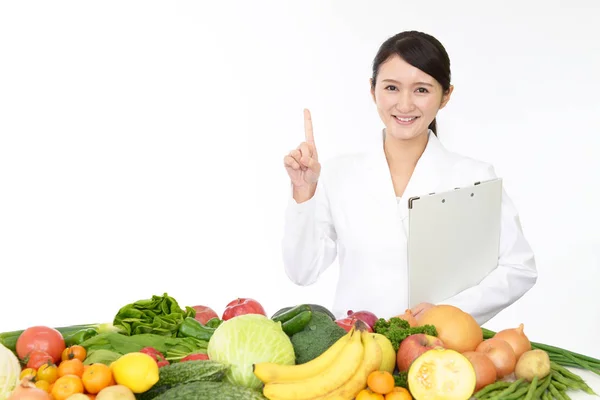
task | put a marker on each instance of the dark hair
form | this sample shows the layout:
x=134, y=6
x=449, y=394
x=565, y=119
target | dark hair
x=420, y=50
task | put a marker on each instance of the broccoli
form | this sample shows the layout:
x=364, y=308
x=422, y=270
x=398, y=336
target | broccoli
x=397, y=329
x=320, y=334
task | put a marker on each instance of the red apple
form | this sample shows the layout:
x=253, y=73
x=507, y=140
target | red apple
x=413, y=346
x=348, y=323
x=204, y=314
x=241, y=306
x=365, y=316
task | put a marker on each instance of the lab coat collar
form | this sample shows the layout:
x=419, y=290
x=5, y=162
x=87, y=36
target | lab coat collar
x=428, y=173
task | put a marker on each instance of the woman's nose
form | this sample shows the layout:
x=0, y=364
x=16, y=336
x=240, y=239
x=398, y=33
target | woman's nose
x=404, y=102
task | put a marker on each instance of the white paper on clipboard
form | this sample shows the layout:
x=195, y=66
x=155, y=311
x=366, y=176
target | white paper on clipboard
x=453, y=240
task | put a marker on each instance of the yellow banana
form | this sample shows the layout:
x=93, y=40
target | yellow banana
x=371, y=362
x=269, y=372
x=338, y=372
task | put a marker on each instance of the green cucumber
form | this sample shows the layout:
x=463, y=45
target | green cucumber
x=297, y=323
x=191, y=371
x=210, y=391
x=313, y=307
x=291, y=313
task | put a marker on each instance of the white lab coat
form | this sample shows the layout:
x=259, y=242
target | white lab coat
x=356, y=215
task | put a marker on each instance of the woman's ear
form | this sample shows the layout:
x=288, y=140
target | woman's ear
x=446, y=97
x=372, y=86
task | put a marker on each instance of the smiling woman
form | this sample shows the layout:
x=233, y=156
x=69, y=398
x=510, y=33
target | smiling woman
x=356, y=205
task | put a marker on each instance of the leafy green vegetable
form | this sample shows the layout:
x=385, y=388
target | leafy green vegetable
x=172, y=348
x=101, y=356
x=316, y=337
x=397, y=329
x=246, y=340
x=160, y=315
x=401, y=379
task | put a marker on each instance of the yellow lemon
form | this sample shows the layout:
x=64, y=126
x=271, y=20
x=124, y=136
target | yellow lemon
x=137, y=371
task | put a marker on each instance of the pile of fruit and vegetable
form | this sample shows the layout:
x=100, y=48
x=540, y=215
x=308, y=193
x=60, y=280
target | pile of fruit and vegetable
x=156, y=349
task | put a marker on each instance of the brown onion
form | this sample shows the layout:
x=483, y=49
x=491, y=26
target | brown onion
x=501, y=354
x=516, y=338
x=26, y=390
x=485, y=370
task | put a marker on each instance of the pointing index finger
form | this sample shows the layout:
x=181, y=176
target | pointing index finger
x=308, y=128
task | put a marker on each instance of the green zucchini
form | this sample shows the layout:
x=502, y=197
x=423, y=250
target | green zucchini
x=313, y=307
x=190, y=371
x=201, y=390
x=297, y=323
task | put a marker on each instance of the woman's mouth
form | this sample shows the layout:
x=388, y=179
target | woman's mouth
x=405, y=120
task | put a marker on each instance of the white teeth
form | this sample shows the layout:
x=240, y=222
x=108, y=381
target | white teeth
x=406, y=119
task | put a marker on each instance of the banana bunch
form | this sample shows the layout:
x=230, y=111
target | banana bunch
x=339, y=373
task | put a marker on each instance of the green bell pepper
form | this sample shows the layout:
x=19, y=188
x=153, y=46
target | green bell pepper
x=193, y=328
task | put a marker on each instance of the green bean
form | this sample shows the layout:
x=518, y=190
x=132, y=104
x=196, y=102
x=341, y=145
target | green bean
x=509, y=389
x=565, y=372
x=491, y=387
x=516, y=395
x=559, y=385
x=531, y=389
x=543, y=386
x=554, y=391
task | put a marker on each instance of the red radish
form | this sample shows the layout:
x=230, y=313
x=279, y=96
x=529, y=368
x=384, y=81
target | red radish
x=195, y=356
x=365, y=316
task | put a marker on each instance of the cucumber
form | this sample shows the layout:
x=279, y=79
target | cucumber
x=297, y=323
x=291, y=313
x=313, y=307
x=210, y=391
x=153, y=392
x=190, y=371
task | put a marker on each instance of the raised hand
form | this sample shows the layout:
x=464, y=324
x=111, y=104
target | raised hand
x=302, y=163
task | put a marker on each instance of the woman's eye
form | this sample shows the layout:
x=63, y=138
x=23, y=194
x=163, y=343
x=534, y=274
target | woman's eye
x=390, y=87
x=422, y=90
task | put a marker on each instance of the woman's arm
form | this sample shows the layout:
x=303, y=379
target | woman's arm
x=309, y=238
x=515, y=275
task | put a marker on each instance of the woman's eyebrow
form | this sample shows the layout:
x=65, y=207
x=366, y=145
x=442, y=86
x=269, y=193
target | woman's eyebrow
x=416, y=83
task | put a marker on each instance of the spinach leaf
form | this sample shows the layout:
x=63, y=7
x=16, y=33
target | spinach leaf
x=160, y=315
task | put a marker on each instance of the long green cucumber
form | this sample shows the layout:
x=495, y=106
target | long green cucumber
x=291, y=313
x=297, y=323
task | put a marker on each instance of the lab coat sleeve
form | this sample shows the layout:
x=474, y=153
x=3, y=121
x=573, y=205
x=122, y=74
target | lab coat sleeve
x=515, y=274
x=309, y=239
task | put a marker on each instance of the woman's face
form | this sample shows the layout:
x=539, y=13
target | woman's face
x=407, y=99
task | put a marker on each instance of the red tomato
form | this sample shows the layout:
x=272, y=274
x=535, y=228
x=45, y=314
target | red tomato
x=37, y=358
x=41, y=338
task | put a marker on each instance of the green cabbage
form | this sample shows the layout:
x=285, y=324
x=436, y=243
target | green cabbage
x=249, y=339
x=10, y=370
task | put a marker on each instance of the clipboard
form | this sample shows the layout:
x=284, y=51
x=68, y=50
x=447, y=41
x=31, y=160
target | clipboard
x=453, y=240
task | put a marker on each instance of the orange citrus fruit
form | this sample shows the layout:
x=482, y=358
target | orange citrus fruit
x=96, y=377
x=66, y=386
x=381, y=382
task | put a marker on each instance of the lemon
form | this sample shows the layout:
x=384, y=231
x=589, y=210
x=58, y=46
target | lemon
x=137, y=371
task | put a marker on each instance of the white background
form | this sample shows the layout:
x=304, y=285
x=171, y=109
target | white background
x=141, y=144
